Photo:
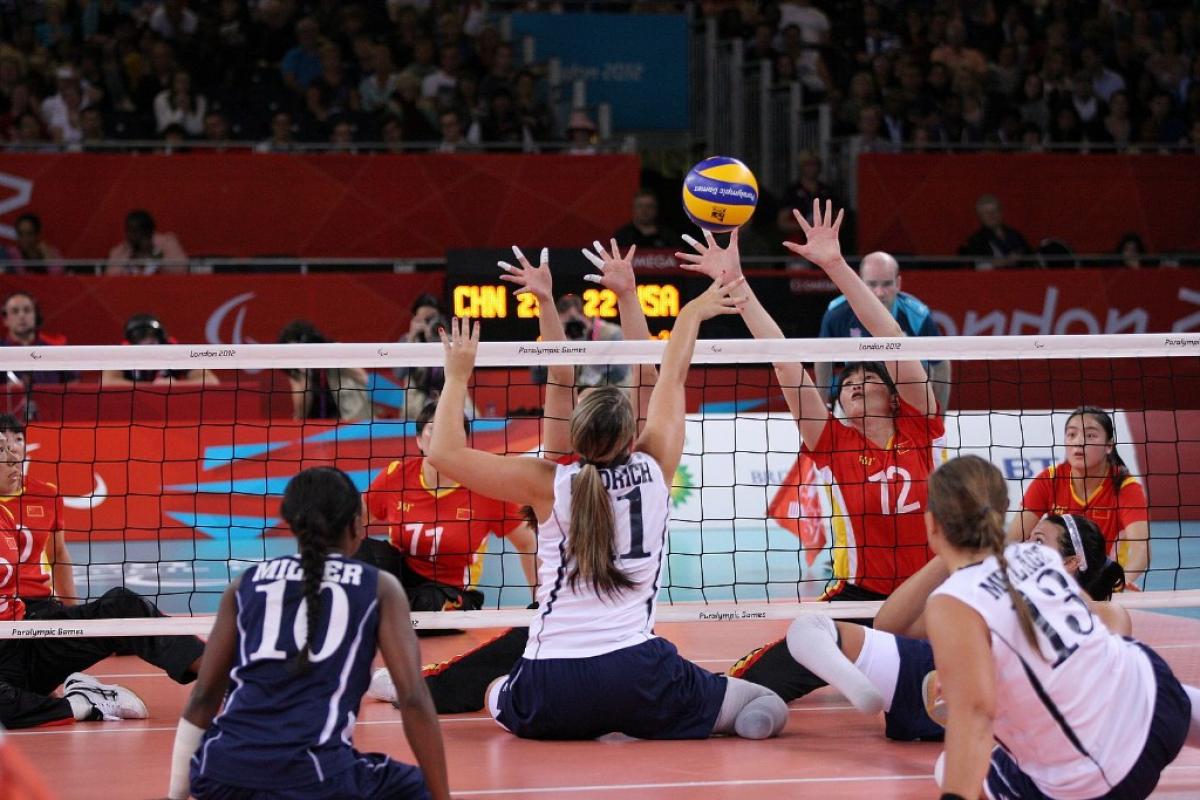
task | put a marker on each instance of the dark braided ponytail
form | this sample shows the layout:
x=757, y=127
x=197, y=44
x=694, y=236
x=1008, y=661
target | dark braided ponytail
x=1102, y=576
x=320, y=504
x=968, y=497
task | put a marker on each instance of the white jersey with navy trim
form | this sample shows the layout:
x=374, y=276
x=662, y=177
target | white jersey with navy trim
x=578, y=622
x=1075, y=711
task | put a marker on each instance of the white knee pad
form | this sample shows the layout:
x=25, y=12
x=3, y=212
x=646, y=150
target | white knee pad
x=493, y=699
x=750, y=711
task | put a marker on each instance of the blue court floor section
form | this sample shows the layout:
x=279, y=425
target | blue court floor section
x=746, y=560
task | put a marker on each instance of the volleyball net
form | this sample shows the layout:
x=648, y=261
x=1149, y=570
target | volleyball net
x=167, y=464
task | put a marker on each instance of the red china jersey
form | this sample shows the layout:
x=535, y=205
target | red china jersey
x=38, y=511
x=441, y=534
x=878, y=497
x=1051, y=492
x=11, y=607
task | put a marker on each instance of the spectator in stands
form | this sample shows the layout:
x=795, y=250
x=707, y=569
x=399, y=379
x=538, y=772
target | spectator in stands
x=147, y=329
x=376, y=89
x=1132, y=251
x=581, y=133
x=535, y=114
x=956, y=54
x=337, y=393
x=27, y=131
x=216, y=127
x=301, y=67
x=174, y=21
x=91, y=127
x=422, y=384
x=281, y=139
x=23, y=323
x=453, y=139
x=800, y=195
x=644, y=229
x=331, y=95
x=144, y=250
x=881, y=273
x=391, y=133
x=502, y=73
x=811, y=21
x=180, y=106
x=160, y=77
x=1118, y=127
x=341, y=134
x=996, y=243
x=445, y=77
x=1105, y=82
x=32, y=255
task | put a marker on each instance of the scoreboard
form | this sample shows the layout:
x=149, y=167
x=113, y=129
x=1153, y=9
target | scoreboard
x=474, y=291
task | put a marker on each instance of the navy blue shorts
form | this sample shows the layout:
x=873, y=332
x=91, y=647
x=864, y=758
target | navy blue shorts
x=907, y=721
x=374, y=775
x=648, y=691
x=1168, y=731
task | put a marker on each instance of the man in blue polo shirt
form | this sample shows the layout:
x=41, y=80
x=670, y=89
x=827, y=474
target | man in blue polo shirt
x=881, y=273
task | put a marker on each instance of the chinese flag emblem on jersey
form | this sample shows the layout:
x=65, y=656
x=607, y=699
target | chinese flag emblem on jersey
x=797, y=508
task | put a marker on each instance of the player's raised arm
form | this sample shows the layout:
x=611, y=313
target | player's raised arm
x=663, y=436
x=803, y=398
x=616, y=274
x=515, y=479
x=823, y=248
x=560, y=378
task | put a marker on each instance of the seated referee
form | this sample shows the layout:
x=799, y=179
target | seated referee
x=31, y=669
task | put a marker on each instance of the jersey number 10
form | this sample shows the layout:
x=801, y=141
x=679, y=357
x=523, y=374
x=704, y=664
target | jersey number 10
x=335, y=632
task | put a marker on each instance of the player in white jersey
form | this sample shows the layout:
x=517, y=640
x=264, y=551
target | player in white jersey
x=593, y=664
x=1085, y=713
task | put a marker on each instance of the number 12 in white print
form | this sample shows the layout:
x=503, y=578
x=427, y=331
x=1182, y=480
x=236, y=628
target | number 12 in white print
x=884, y=478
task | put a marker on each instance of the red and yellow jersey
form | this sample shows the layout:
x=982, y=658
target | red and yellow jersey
x=38, y=511
x=441, y=533
x=1052, y=492
x=11, y=607
x=878, y=498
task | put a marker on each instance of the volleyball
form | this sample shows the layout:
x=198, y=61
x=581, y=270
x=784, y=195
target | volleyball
x=720, y=194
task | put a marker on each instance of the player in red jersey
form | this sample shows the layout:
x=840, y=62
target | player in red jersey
x=45, y=570
x=876, y=458
x=31, y=668
x=1094, y=482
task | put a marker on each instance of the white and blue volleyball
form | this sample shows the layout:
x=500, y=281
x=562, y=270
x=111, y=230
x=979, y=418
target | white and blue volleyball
x=720, y=194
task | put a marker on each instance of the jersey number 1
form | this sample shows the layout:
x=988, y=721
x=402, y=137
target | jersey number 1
x=635, y=524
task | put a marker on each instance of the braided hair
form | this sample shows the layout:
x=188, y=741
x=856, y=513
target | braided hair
x=319, y=504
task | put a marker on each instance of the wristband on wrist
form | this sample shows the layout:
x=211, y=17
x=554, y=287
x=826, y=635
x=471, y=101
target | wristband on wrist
x=952, y=796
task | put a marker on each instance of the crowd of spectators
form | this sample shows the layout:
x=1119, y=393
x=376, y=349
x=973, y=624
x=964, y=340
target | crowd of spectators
x=277, y=72
x=1022, y=73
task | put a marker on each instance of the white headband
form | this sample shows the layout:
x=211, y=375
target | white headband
x=1076, y=540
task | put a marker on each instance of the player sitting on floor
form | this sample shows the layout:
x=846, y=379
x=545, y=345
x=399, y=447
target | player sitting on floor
x=287, y=723
x=1093, y=481
x=31, y=669
x=437, y=530
x=900, y=668
x=877, y=455
x=593, y=664
x=459, y=684
x=1079, y=711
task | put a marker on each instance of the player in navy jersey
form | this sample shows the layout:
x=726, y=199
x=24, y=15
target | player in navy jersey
x=592, y=664
x=1078, y=711
x=901, y=667
x=286, y=727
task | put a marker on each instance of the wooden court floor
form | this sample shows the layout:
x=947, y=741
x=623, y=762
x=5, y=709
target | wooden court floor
x=827, y=751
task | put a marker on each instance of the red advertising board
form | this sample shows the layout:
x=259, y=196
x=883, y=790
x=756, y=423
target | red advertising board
x=925, y=204
x=386, y=206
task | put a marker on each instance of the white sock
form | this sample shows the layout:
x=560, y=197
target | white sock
x=812, y=641
x=750, y=711
x=80, y=707
x=1193, y=737
x=879, y=661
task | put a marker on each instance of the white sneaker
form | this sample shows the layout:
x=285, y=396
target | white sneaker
x=111, y=702
x=382, y=687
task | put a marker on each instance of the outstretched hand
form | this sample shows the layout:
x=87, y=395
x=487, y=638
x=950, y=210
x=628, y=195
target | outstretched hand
x=725, y=296
x=531, y=279
x=616, y=270
x=711, y=259
x=821, y=245
x=460, y=345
